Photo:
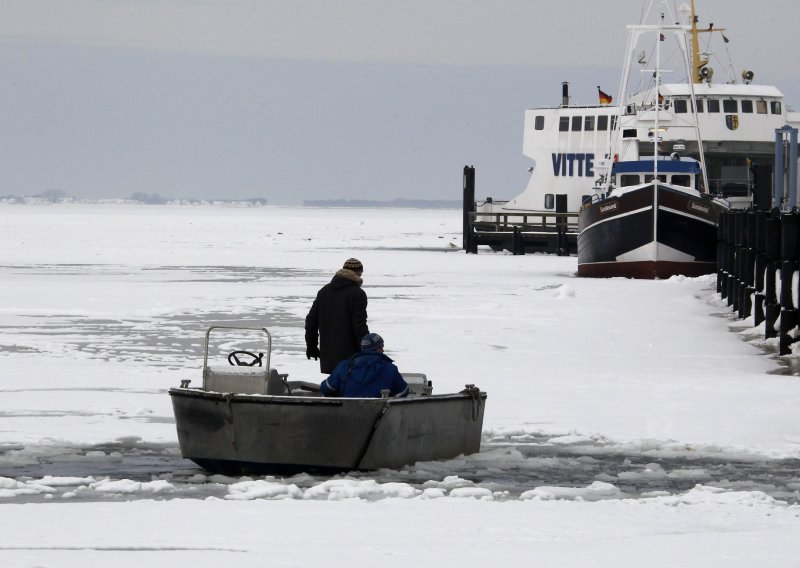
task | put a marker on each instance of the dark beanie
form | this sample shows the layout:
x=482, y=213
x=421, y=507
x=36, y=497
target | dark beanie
x=353, y=264
x=371, y=342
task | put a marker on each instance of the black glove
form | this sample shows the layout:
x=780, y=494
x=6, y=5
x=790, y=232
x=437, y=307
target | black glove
x=312, y=352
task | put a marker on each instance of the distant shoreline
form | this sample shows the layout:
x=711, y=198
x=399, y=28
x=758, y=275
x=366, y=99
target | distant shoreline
x=257, y=202
x=391, y=204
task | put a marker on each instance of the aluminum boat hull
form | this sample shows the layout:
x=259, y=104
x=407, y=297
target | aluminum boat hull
x=244, y=433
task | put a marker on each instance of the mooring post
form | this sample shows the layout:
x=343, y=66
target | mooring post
x=790, y=253
x=790, y=228
x=468, y=242
x=738, y=269
x=561, y=225
x=772, y=249
x=517, y=246
x=792, y=168
x=760, y=266
x=780, y=169
x=748, y=268
x=730, y=256
x=721, y=251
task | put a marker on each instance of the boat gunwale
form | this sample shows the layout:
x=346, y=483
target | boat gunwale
x=268, y=399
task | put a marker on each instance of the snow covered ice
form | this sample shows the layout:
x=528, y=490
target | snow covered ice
x=627, y=422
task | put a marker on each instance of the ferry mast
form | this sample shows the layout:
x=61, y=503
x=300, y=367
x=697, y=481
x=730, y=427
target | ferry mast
x=698, y=62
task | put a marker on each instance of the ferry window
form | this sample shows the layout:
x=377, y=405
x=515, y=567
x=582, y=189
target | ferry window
x=648, y=178
x=729, y=105
x=713, y=105
x=602, y=122
x=588, y=123
x=549, y=200
x=699, y=105
x=629, y=133
x=576, y=123
x=775, y=107
x=681, y=106
x=681, y=179
x=613, y=123
x=563, y=124
x=747, y=106
x=761, y=107
x=539, y=123
x=627, y=180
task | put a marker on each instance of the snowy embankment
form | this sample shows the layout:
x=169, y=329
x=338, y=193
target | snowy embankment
x=104, y=308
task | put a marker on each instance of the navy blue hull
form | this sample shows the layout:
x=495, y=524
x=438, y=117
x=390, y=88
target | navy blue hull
x=615, y=234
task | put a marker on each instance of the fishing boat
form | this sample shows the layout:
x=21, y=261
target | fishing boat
x=653, y=223
x=249, y=418
x=651, y=216
x=736, y=119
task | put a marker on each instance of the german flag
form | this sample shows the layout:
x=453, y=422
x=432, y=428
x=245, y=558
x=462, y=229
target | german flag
x=605, y=99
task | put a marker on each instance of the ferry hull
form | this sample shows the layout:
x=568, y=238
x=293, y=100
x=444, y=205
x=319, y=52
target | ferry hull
x=642, y=235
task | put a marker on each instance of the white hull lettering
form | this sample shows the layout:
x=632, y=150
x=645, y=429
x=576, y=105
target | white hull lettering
x=609, y=207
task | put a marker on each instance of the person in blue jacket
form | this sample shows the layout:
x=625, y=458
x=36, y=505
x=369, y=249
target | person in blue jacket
x=365, y=374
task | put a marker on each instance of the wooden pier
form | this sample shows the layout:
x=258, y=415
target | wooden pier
x=554, y=232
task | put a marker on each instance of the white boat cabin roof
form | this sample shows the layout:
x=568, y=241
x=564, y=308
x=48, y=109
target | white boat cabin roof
x=721, y=90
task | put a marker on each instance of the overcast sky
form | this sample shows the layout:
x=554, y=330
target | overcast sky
x=315, y=99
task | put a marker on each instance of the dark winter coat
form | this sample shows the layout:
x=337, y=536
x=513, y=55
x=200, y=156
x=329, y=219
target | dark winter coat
x=338, y=317
x=364, y=376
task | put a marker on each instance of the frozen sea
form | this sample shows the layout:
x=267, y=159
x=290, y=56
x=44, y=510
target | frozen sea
x=628, y=423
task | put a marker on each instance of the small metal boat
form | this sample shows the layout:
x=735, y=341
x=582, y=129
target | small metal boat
x=249, y=418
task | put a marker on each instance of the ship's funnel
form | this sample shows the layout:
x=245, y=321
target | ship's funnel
x=565, y=94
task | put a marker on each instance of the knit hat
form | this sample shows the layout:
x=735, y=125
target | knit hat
x=371, y=342
x=353, y=264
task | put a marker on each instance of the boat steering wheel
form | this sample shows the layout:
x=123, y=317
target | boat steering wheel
x=233, y=359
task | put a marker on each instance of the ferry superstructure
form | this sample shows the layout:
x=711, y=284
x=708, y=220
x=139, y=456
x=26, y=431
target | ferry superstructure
x=736, y=122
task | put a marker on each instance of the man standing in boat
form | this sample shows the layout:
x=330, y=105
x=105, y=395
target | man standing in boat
x=367, y=374
x=338, y=318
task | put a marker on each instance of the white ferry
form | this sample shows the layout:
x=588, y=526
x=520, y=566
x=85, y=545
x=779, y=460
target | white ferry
x=736, y=124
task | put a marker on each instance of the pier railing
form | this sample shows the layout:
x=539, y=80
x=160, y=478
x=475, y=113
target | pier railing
x=758, y=259
x=758, y=251
x=540, y=231
x=552, y=231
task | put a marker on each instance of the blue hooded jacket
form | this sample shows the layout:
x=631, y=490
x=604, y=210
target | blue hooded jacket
x=364, y=375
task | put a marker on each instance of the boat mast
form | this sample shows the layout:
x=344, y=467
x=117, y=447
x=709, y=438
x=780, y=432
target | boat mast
x=657, y=106
x=614, y=133
x=696, y=64
x=698, y=61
